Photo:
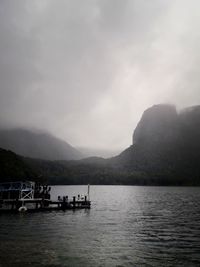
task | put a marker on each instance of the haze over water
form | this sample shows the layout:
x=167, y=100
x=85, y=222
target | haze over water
x=126, y=226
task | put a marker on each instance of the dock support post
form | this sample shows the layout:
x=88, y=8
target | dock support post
x=64, y=203
x=74, y=202
x=88, y=193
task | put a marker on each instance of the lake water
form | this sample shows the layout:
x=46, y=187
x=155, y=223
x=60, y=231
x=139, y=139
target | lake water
x=126, y=226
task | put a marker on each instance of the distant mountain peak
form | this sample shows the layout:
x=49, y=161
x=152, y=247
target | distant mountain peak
x=37, y=144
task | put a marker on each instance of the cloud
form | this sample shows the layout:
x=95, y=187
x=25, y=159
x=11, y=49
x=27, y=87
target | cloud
x=86, y=70
x=18, y=55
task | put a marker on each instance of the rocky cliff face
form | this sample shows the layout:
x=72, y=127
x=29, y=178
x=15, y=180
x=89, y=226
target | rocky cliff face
x=190, y=140
x=158, y=124
x=190, y=123
x=166, y=143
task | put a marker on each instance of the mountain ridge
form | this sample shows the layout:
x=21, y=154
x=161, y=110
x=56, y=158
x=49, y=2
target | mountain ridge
x=165, y=151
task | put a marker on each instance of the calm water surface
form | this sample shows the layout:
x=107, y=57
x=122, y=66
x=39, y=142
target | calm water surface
x=126, y=226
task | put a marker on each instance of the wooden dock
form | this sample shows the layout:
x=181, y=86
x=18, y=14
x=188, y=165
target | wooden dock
x=29, y=197
x=36, y=205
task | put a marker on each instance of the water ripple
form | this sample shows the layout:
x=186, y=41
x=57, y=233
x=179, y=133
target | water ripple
x=127, y=226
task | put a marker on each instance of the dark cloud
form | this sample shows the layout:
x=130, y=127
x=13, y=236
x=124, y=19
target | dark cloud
x=86, y=70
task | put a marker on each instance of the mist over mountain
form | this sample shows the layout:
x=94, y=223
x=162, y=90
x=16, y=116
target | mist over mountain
x=37, y=144
x=165, y=151
x=95, y=152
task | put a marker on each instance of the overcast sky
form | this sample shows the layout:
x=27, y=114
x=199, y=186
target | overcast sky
x=86, y=70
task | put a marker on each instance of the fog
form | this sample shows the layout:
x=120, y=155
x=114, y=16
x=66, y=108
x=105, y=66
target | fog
x=86, y=70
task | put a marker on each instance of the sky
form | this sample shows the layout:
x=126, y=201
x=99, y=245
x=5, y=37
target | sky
x=86, y=70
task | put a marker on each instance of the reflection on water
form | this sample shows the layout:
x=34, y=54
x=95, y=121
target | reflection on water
x=126, y=226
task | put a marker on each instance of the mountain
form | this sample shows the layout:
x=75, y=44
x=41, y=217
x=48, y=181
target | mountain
x=158, y=124
x=165, y=151
x=37, y=145
x=166, y=145
x=13, y=168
